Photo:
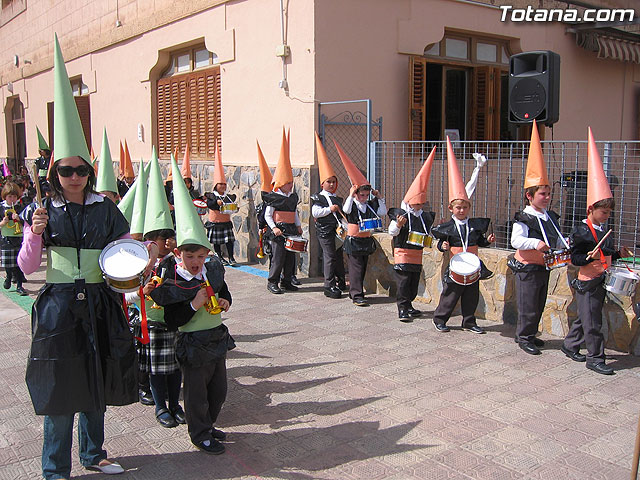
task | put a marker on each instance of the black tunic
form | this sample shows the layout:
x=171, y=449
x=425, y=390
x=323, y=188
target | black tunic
x=282, y=203
x=82, y=355
x=400, y=240
x=361, y=245
x=326, y=226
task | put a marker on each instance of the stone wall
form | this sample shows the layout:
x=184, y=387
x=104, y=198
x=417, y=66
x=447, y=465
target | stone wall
x=497, y=294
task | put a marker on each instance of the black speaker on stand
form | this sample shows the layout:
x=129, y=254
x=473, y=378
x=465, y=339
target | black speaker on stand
x=534, y=87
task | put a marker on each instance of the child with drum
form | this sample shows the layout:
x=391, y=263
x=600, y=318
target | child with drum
x=535, y=232
x=593, y=263
x=11, y=236
x=193, y=297
x=410, y=230
x=363, y=217
x=221, y=206
x=281, y=216
x=325, y=208
x=461, y=236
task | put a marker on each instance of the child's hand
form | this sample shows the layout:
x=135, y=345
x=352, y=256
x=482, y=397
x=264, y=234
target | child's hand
x=334, y=208
x=401, y=221
x=220, y=202
x=277, y=232
x=224, y=304
x=4, y=221
x=375, y=193
x=445, y=246
x=594, y=254
x=299, y=230
x=200, y=299
x=625, y=252
x=353, y=190
x=149, y=287
x=491, y=238
x=542, y=247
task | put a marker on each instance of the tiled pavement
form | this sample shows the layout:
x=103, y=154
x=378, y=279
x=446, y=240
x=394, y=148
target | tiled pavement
x=320, y=389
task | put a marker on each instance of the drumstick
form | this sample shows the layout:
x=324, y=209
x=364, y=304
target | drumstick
x=600, y=243
x=36, y=182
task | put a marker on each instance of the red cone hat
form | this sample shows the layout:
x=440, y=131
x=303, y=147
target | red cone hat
x=218, y=168
x=265, y=174
x=536, y=169
x=283, y=173
x=185, y=169
x=456, y=185
x=597, y=183
x=417, y=192
x=325, y=169
x=355, y=175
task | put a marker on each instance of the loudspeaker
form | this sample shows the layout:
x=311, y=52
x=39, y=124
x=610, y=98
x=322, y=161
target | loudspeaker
x=534, y=87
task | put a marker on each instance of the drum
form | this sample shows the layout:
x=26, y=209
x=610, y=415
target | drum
x=419, y=239
x=229, y=208
x=557, y=258
x=621, y=281
x=464, y=268
x=201, y=206
x=341, y=231
x=296, y=244
x=123, y=262
x=370, y=224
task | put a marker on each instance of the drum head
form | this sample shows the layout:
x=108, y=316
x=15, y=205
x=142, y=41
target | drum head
x=124, y=259
x=465, y=263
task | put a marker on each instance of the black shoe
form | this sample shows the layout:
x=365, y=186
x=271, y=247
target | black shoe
x=14, y=280
x=232, y=262
x=474, y=329
x=7, y=283
x=538, y=342
x=164, y=418
x=274, y=288
x=360, y=302
x=289, y=287
x=218, y=434
x=601, y=367
x=145, y=398
x=441, y=327
x=178, y=415
x=21, y=291
x=413, y=312
x=530, y=348
x=223, y=261
x=214, y=447
x=342, y=285
x=404, y=316
x=575, y=356
x=295, y=281
x=332, y=292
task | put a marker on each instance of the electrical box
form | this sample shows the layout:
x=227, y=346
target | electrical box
x=283, y=51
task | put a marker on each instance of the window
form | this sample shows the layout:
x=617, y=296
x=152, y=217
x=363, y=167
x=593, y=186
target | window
x=77, y=87
x=458, y=85
x=81, y=97
x=188, y=104
x=6, y=3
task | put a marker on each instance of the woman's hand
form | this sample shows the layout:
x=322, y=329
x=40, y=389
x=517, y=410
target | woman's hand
x=224, y=304
x=39, y=221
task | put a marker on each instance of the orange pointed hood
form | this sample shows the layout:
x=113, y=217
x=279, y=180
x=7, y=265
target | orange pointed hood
x=283, y=173
x=185, y=169
x=597, y=183
x=325, y=169
x=170, y=174
x=128, y=166
x=355, y=175
x=536, y=169
x=218, y=168
x=417, y=192
x=265, y=174
x=121, y=164
x=456, y=185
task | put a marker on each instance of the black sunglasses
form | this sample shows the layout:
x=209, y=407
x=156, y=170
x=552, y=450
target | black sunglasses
x=81, y=171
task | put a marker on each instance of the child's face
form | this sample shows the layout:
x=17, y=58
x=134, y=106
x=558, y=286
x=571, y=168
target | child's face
x=362, y=195
x=287, y=187
x=11, y=199
x=171, y=243
x=111, y=196
x=460, y=210
x=541, y=199
x=416, y=206
x=193, y=261
x=330, y=184
x=221, y=188
x=600, y=215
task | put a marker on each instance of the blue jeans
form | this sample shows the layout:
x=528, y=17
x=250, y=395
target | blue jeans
x=58, y=436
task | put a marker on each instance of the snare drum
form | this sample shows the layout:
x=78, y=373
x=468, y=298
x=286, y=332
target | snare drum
x=296, y=244
x=557, y=259
x=122, y=263
x=419, y=239
x=370, y=224
x=621, y=281
x=201, y=206
x=229, y=208
x=464, y=268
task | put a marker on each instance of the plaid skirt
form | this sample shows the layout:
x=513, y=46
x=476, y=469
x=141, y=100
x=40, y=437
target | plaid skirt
x=9, y=256
x=158, y=357
x=220, y=233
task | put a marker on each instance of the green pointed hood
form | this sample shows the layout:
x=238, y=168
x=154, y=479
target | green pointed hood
x=140, y=201
x=126, y=203
x=106, y=181
x=68, y=136
x=158, y=215
x=189, y=227
x=42, y=143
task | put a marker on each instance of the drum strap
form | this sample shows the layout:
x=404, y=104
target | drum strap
x=62, y=265
x=603, y=259
x=464, y=241
x=421, y=219
x=544, y=234
x=144, y=325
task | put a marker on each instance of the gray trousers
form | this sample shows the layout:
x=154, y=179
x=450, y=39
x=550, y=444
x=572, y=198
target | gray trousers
x=407, y=283
x=282, y=262
x=332, y=261
x=357, y=271
x=468, y=295
x=587, y=327
x=531, y=294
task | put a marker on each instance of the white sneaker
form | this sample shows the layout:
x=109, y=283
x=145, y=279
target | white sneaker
x=111, y=468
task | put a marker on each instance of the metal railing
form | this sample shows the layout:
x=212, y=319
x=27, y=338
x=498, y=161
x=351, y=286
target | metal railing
x=499, y=192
